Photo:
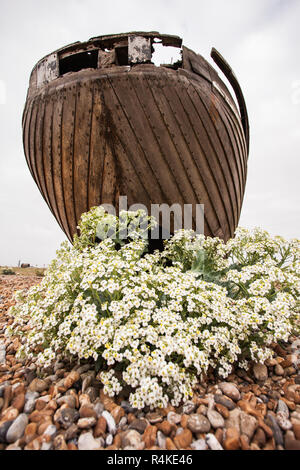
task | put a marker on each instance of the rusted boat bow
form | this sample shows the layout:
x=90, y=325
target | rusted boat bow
x=101, y=120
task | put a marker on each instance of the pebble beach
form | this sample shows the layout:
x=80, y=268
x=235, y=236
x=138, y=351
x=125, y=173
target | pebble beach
x=63, y=407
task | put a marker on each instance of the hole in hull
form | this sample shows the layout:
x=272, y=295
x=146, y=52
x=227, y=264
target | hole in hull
x=121, y=55
x=166, y=56
x=76, y=62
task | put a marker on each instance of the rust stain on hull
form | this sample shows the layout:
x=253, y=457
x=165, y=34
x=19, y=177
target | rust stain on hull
x=101, y=120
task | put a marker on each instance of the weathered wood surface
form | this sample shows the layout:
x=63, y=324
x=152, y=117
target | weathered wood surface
x=154, y=134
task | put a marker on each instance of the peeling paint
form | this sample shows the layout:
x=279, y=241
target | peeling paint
x=47, y=70
x=139, y=49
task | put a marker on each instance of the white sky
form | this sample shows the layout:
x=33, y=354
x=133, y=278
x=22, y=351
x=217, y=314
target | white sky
x=259, y=38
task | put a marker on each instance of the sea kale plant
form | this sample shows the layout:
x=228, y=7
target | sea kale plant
x=155, y=322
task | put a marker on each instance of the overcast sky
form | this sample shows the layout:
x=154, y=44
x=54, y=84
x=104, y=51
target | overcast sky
x=259, y=38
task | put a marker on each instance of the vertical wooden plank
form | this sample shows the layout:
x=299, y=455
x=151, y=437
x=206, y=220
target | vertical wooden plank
x=48, y=155
x=67, y=138
x=31, y=141
x=96, y=154
x=39, y=155
x=57, y=159
x=82, y=147
x=26, y=126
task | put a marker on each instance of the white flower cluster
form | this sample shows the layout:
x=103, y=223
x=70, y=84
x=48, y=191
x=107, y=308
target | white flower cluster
x=154, y=321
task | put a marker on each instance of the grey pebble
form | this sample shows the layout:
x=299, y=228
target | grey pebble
x=29, y=375
x=198, y=423
x=200, y=444
x=16, y=430
x=71, y=432
x=213, y=442
x=283, y=408
x=173, y=418
x=230, y=390
x=70, y=400
x=264, y=398
x=260, y=372
x=51, y=378
x=67, y=417
x=3, y=430
x=161, y=439
x=93, y=393
x=123, y=421
x=272, y=422
x=51, y=430
x=225, y=401
x=283, y=421
x=98, y=408
x=248, y=424
x=83, y=368
x=111, y=424
x=58, y=365
x=2, y=353
x=188, y=407
x=30, y=399
x=86, y=382
x=139, y=425
x=216, y=420
x=87, y=441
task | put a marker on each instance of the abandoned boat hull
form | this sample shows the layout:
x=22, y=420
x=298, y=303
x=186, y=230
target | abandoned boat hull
x=154, y=134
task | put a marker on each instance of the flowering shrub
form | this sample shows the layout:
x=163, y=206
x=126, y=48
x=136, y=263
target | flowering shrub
x=156, y=322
